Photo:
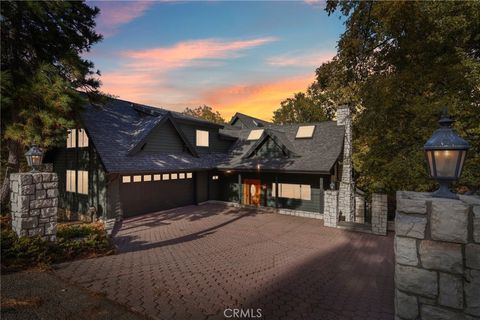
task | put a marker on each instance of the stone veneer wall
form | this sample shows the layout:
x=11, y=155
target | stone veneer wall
x=379, y=213
x=437, y=257
x=346, y=188
x=34, y=204
x=330, y=211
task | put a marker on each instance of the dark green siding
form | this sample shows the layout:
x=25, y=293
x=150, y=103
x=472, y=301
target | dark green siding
x=81, y=159
x=216, y=144
x=164, y=139
x=229, y=189
x=269, y=149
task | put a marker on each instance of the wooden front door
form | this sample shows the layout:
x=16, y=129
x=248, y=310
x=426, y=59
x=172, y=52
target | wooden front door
x=251, y=192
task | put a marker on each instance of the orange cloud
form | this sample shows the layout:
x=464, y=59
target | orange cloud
x=144, y=73
x=113, y=14
x=309, y=59
x=183, y=53
x=258, y=100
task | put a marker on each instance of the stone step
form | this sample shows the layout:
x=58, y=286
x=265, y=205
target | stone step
x=355, y=226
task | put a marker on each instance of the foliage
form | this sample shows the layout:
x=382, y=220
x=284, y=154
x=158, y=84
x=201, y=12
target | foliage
x=73, y=242
x=205, y=112
x=397, y=65
x=43, y=73
x=301, y=108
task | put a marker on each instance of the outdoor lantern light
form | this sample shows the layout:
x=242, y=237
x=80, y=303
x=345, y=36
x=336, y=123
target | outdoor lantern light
x=34, y=157
x=445, y=152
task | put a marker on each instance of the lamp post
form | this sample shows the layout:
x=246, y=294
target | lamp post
x=445, y=152
x=34, y=157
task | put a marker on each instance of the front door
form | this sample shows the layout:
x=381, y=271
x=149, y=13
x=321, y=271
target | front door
x=251, y=192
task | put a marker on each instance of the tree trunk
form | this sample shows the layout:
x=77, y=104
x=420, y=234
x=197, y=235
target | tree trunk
x=13, y=165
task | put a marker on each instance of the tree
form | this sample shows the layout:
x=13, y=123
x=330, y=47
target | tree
x=42, y=71
x=302, y=108
x=205, y=112
x=398, y=64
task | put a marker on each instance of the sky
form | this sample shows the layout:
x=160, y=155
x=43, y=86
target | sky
x=233, y=56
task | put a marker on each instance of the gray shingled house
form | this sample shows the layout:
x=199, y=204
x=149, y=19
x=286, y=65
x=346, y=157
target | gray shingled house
x=131, y=159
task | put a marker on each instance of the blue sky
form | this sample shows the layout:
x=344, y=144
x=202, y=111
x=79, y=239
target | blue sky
x=234, y=56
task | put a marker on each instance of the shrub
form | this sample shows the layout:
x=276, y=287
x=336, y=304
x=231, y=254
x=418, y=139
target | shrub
x=73, y=242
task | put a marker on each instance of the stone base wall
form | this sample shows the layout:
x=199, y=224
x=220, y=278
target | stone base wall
x=379, y=213
x=437, y=257
x=34, y=204
x=330, y=211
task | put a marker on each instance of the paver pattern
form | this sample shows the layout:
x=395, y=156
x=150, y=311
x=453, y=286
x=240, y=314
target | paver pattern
x=196, y=261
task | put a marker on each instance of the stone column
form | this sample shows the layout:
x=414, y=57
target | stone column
x=379, y=213
x=437, y=257
x=359, y=209
x=34, y=204
x=346, y=188
x=331, y=213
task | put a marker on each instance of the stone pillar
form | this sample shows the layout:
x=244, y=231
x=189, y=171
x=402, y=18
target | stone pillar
x=379, y=213
x=359, y=209
x=346, y=188
x=437, y=257
x=331, y=213
x=34, y=204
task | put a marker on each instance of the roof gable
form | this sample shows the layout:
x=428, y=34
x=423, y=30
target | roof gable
x=247, y=121
x=280, y=142
x=168, y=123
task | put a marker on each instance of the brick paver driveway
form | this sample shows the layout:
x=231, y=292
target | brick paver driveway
x=194, y=262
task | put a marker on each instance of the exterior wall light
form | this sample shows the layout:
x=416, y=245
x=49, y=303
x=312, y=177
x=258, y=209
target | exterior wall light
x=34, y=158
x=445, y=152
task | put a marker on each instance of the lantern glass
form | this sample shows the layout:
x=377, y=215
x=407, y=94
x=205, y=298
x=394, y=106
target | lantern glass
x=446, y=163
x=36, y=160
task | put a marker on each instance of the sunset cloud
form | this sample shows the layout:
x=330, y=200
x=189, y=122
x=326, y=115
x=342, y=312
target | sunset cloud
x=258, y=100
x=114, y=14
x=144, y=75
x=307, y=60
x=183, y=53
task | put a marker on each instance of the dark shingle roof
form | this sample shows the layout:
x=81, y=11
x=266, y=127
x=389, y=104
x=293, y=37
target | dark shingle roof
x=249, y=122
x=316, y=154
x=118, y=126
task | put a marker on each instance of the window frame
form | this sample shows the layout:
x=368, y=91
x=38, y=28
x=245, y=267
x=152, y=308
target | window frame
x=307, y=134
x=82, y=182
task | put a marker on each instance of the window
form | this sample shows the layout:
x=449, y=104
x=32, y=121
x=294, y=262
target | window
x=174, y=176
x=157, y=177
x=137, y=178
x=165, y=176
x=72, y=138
x=255, y=134
x=293, y=191
x=202, y=138
x=147, y=177
x=71, y=185
x=82, y=183
x=214, y=177
x=189, y=175
x=181, y=175
x=305, y=132
x=126, y=179
x=82, y=138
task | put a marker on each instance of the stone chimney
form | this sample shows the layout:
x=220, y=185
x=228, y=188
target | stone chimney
x=346, y=188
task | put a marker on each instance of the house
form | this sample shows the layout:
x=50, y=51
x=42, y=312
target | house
x=130, y=159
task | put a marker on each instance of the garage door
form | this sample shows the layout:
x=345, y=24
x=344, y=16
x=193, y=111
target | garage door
x=150, y=193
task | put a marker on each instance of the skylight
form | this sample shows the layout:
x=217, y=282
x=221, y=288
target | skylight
x=255, y=134
x=305, y=131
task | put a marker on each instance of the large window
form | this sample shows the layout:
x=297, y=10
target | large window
x=70, y=183
x=202, y=138
x=293, y=191
x=82, y=138
x=82, y=183
x=72, y=138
